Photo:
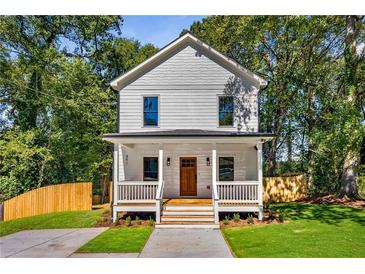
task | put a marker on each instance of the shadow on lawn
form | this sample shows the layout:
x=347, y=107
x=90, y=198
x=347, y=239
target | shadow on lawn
x=328, y=214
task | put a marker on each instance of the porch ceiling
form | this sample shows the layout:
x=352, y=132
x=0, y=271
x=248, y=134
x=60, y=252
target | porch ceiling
x=187, y=136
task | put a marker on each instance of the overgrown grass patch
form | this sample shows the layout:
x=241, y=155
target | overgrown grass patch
x=323, y=231
x=118, y=240
x=69, y=219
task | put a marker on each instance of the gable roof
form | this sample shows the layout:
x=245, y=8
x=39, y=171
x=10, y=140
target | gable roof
x=187, y=39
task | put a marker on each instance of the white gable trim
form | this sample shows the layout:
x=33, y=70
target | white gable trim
x=121, y=81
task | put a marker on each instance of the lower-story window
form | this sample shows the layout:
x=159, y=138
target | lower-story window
x=150, y=168
x=226, y=169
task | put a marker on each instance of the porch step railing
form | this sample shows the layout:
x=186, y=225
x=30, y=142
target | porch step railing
x=238, y=191
x=136, y=192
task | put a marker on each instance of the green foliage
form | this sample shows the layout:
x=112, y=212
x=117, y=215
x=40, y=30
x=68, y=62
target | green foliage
x=55, y=99
x=313, y=102
x=226, y=220
x=321, y=231
x=250, y=219
x=236, y=217
x=69, y=219
x=118, y=240
x=151, y=222
x=362, y=186
x=138, y=220
x=24, y=163
x=128, y=221
x=281, y=216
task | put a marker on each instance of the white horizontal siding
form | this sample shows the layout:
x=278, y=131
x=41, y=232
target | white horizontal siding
x=245, y=164
x=188, y=87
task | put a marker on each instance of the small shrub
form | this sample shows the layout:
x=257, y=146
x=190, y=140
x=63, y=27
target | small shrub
x=236, y=217
x=250, y=219
x=128, y=221
x=138, y=220
x=226, y=220
x=281, y=216
x=151, y=222
x=116, y=222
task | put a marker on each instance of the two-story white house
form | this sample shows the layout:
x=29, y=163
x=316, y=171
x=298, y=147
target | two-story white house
x=188, y=144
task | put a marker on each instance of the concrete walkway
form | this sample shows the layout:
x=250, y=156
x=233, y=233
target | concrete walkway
x=104, y=255
x=186, y=243
x=46, y=243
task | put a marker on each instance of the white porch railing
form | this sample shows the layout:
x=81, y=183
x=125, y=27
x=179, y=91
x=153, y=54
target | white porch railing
x=136, y=192
x=159, y=192
x=238, y=191
x=159, y=201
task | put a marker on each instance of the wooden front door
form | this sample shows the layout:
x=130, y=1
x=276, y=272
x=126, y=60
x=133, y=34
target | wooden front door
x=188, y=176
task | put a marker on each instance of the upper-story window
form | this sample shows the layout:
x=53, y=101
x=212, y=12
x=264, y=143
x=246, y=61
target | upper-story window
x=226, y=107
x=150, y=111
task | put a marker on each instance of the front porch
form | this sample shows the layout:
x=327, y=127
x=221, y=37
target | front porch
x=207, y=193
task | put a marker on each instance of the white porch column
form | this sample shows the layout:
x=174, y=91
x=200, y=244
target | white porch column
x=214, y=182
x=160, y=164
x=115, y=180
x=259, y=178
x=160, y=179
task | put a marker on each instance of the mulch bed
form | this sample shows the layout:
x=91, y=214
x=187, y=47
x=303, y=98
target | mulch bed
x=267, y=220
x=334, y=200
x=106, y=221
x=243, y=223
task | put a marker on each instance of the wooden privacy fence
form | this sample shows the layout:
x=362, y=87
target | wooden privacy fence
x=47, y=199
x=284, y=189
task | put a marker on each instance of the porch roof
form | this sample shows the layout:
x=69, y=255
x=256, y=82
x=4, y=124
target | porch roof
x=196, y=135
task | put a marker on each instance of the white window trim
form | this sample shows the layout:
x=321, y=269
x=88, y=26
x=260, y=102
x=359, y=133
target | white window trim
x=234, y=108
x=158, y=110
x=234, y=165
x=149, y=156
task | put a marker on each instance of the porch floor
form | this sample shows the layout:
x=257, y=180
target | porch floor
x=188, y=202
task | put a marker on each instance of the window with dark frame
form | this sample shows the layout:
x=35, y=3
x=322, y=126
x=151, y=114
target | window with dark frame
x=150, y=168
x=226, y=169
x=226, y=108
x=150, y=111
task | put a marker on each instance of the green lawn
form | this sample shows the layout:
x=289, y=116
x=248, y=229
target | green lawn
x=119, y=240
x=69, y=219
x=313, y=231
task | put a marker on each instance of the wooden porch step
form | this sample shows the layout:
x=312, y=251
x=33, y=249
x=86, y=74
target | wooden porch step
x=190, y=225
x=188, y=212
x=188, y=202
x=186, y=223
x=187, y=218
x=187, y=208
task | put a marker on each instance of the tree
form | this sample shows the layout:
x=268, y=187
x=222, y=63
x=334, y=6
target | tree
x=55, y=99
x=353, y=127
x=303, y=58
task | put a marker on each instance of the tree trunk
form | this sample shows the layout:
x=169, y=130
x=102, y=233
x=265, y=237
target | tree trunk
x=349, y=186
x=349, y=175
x=289, y=143
x=104, y=183
x=272, y=158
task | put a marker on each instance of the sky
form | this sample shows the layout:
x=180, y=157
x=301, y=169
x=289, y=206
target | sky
x=158, y=30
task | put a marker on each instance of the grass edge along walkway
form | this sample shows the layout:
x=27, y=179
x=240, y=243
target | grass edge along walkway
x=67, y=219
x=119, y=240
x=313, y=231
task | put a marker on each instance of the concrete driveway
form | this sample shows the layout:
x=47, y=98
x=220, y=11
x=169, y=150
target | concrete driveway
x=46, y=243
x=186, y=243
